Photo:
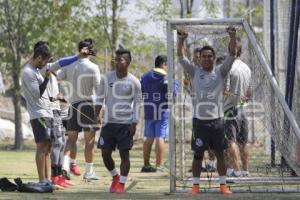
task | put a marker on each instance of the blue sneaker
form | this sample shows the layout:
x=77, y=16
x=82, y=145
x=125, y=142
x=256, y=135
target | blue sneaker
x=148, y=168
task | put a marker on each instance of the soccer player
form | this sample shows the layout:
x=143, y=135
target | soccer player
x=58, y=135
x=208, y=125
x=64, y=113
x=211, y=164
x=237, y=93
x=84, y=76
x=155, y=88
x=121, y=94
x=38, y=104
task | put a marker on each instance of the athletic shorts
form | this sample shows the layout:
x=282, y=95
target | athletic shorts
x=64, y=123
x=236, y=126
x=42, y=129
x=208, y=134
x=115, y=135
x=156, y=128
x=82, y=117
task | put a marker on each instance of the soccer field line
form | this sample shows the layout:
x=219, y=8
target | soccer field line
x=132, y=185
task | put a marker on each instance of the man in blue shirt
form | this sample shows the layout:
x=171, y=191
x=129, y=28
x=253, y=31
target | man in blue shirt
x=155, y=88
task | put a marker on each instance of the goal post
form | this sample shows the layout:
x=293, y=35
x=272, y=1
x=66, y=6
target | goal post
x=281, y=110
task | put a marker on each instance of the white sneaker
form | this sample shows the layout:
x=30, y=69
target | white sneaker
x=245, y=174
x=235, y=174
x=229, y=172
x=90, y=176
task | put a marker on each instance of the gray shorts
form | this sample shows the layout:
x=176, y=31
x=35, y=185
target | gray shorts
x=82, y=117
x=115, y=135
x=236, y=126
x=42, y=129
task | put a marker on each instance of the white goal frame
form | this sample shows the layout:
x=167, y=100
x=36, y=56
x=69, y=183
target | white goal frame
x=171, y=27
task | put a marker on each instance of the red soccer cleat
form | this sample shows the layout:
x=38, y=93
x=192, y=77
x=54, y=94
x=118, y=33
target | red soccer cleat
x=75, y=169
x=195, y=190
x=120, y=188
x=63, y=179
x=224, y=189
x=57, y=181
x=114, y=183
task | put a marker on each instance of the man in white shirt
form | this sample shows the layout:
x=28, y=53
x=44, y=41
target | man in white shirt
x=84, y=77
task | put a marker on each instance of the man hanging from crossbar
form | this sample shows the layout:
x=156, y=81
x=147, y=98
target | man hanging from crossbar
x=207, y=89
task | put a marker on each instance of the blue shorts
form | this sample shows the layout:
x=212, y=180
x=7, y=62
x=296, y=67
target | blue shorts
x=157, y=128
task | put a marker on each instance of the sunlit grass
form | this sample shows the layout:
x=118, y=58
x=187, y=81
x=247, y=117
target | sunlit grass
x=139, y=186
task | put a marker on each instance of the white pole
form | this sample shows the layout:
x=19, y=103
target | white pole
x=197, y=21
x=172, y=128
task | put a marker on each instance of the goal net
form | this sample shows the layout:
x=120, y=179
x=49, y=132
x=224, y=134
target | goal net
x=267, y=112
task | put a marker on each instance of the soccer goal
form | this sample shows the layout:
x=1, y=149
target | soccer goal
x=268, y=114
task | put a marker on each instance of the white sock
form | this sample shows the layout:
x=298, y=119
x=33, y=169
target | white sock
x=196, y=180
x=229, y=171
x=222, y=180
x=72, y=161
x=211, y=163
x=45, y=181
x=89, y=167
x=66, y=165
x=123, y=179
x=113, y=172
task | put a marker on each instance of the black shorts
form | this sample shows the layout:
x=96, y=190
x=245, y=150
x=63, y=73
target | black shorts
x=236, y=125
x=208, y=134
x=42, y=129
x=64, y=123
x=82, y=117
x=115, y=135
x=58, y=129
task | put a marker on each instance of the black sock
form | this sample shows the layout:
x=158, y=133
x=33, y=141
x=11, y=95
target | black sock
x=59, y=170
x=54, y=170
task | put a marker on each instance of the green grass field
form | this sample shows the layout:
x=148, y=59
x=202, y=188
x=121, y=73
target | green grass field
x=140, y=185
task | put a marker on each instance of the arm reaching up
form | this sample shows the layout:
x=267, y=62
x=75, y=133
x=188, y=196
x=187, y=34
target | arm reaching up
x=180, y=45
x=232, y=43
x=184, y=62
x=225, y=68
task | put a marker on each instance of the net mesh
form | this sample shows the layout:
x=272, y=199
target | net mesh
x=266, y=116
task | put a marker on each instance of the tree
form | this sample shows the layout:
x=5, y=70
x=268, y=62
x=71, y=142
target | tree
x=14, y=44
x=158, y=10
x=111, y=24
x=22, y=23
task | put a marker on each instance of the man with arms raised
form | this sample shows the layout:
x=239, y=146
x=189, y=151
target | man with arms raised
x=207, y=89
